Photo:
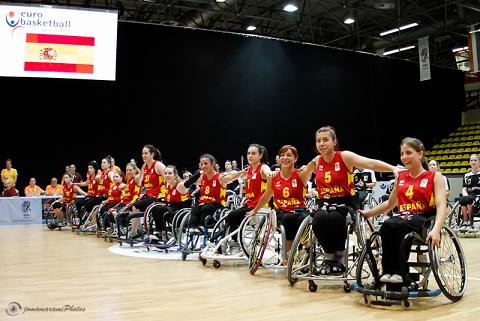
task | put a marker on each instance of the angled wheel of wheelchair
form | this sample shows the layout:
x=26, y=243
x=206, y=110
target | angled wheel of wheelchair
x=260, y=243
x=454, y=217
x=177, y=220
x=50, y=219
x=449, y=265
x=246, y=233
x=369, y=265
x=363, y=229
x=300, y=253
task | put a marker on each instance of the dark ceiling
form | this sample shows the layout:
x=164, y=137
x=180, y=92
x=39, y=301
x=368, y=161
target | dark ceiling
x=316, y=21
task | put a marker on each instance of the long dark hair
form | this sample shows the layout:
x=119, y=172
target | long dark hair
x=332, y=133
x=262, y=151
x=416, y=144
x=153, y=150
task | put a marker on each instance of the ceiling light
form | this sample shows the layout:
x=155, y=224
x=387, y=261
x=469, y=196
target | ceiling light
x=386, y=53
x=411, y=25
x=251, y=28
x=348, y=20
x=459, y=49
x=290, y=8
x=220, y=1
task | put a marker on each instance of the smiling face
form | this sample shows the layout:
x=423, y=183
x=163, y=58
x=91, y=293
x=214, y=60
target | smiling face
x=117, y=178
x=288, y=158
x=410, y=158
x=169, y=175
x=206, y=165
x=325, y=143
x=147, y=156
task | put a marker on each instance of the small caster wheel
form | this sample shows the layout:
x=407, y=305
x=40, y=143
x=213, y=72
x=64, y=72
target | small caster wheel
x=148, y=248
x=120, y=242
x=367, y=300
x=204, y=261
x=216, y=264
x=346, y=288
x=312, y=286
x=184, y=256
x=406, y=304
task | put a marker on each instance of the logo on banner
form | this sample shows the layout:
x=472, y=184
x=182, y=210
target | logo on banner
x=424, y=55
x=26, y=209
x=11, y=19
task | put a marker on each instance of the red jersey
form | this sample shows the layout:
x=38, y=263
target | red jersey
x=105, y=183
x=174, y=196
x=114, y=194
x=211, y=191
x=131, y=192
x=334, y=179
x=288, y=194
x=92, y=186
x=415, y=195
x=69, y=193
x=9, y=192
x=153, y=181
x=255, y=186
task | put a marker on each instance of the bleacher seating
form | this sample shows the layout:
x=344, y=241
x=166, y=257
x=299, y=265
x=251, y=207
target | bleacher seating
x=453, y=152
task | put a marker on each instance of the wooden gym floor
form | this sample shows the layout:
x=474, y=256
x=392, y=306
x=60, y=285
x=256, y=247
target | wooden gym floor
x=42, y=268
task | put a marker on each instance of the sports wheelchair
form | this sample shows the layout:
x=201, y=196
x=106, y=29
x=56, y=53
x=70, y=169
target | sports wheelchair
x=70, y=217
x=307, y=255
x=447, y=263
x=262, y=241
x=454, y=218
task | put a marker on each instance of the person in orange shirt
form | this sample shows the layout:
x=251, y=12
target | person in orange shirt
x=32, y=189
x=54, y=188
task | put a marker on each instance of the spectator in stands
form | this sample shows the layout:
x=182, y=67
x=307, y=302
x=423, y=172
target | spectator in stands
x=54, y=188
x=9, y=190
x=365, y=181
x=233, y=185
x=77, y=177
x=434, y=166
x=114, y=167
x=235, y=165
x=470, y=191
x=32, y=189
x=9, y=173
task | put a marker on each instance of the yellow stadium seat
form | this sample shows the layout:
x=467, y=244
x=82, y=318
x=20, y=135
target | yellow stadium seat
x=449, y=164
x=448, y=170
x=468, y=150
x=463, y=170
x=451, y=156
x=460, y=150
x=457, y=163
x=456, y=170
x=465, y=163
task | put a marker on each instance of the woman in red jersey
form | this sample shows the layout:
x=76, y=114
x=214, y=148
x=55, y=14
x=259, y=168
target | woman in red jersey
x=419, y=194
x=87, y=203
x=336, y=195
x=212, y=189
x=68, y=197
x=130, y=191
x=255, y=183
x=288, y=188
x=176, y=198
x=151, y=175
x=114, y=197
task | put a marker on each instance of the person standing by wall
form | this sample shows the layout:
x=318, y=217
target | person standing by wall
x=10, y=173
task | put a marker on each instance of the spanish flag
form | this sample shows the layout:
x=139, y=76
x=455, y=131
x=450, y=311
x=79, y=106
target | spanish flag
x=59, y=53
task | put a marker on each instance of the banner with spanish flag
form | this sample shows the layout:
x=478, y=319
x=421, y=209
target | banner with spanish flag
x=59, y=53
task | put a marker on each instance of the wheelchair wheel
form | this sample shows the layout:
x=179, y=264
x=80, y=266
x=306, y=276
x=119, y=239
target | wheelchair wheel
x=299, y=258
x=262, y=235
x=454, y=218
x=449, y=265
x=369, y=263
x=246, y=234
x=363, y=230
